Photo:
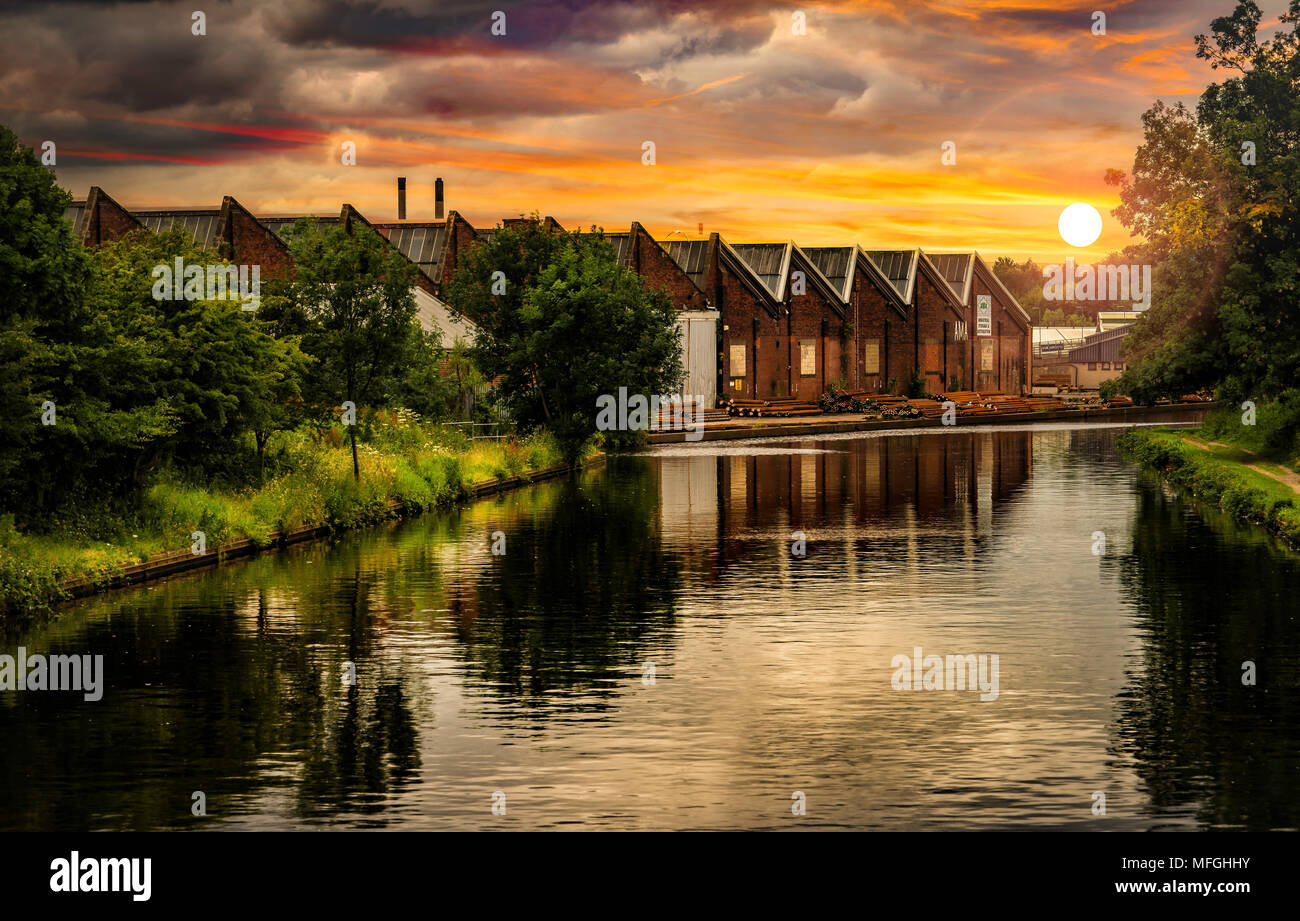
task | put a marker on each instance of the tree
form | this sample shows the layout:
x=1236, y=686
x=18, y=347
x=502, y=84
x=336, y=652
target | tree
x=222, y=375
x=43, y=272
x=355, y=292
x=561, y=323
x=1214, y=194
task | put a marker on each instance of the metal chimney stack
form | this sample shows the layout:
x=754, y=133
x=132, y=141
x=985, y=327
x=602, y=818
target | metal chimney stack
x=401, y=198
x=437, y=198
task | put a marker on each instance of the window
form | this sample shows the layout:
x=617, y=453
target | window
x=1119, y=366
x=1092, y=366
x=1105, y=366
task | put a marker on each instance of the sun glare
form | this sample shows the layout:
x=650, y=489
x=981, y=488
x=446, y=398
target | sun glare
x=1079, y=224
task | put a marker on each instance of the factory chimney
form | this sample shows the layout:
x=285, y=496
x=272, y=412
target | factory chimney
x=401, y=198
x=437, y=198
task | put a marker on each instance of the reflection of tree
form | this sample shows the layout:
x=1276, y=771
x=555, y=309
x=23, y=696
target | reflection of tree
x=204, y=683
x=582, y=593
x=1211, y=596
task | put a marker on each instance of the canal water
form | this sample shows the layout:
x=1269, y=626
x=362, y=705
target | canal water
x=651, y=652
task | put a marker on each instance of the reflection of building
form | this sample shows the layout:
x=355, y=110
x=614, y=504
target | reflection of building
x=896, y=485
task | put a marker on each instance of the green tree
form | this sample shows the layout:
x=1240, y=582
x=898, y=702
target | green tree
x=560, y=323
x=355, y=293
x=222, y=376
x=1214, y=194
x=43, y=273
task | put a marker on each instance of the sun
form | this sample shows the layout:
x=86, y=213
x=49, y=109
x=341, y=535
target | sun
x=1079, y=224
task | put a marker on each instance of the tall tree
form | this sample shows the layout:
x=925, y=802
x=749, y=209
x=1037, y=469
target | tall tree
x=356, y=292
x=1214, y=194
x=560, y=323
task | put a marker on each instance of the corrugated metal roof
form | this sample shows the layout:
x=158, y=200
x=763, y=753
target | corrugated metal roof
x=1100, y=346
x=200, y=224
x=767, y=261
x=422, y=242
x=278, y=225
x=836, y=263
x=622, y=243
x=76, y=213
x=898, y=266
x=691, y=256
x=955, y=269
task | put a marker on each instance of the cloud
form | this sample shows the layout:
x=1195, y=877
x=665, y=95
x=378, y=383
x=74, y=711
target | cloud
x=755, y=126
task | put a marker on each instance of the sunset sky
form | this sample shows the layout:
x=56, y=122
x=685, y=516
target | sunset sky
x=831, y=137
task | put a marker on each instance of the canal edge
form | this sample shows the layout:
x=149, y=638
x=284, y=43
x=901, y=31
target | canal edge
x=183, y=561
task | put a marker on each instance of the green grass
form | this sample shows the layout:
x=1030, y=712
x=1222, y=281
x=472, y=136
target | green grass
x=423, y=467
x=1217, y=476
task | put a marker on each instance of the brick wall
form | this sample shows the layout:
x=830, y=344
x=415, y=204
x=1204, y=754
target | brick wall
x=106, y=220
x=1011, y=342
x=653, y=264
x=748, y=323
x=870, y=310
x=249, y=243
x=460, y=237
x=936, y=317
x=811, y=319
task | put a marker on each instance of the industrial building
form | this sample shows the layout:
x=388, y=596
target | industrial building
x=757, y=320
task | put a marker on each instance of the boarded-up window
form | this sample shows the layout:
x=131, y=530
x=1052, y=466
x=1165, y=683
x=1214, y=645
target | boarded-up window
x=986, y=354
x=871, y=357
x=808, y=357
x=737, y=359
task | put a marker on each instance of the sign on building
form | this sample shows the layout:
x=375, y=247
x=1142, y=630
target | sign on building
x=738, y=360
x=984, y=315
x=807, y=357
x=986, y=355
x=871, y=357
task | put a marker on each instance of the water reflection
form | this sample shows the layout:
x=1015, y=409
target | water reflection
x=648, y=653
x=1212, y=596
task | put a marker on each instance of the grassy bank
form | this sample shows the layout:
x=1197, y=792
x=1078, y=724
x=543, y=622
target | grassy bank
x=1221, y=474
x=420, y=466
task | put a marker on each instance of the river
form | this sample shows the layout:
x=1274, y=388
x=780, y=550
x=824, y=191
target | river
x=651, y=651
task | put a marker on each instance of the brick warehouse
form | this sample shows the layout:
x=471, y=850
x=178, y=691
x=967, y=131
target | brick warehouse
x=1000, y=359
x=756, y=319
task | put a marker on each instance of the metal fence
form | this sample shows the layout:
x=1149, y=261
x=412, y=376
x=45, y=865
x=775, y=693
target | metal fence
x=499, y=430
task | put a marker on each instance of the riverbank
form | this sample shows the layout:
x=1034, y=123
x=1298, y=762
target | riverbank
x=176, y=527
x=854, y=422
x=1246, y=486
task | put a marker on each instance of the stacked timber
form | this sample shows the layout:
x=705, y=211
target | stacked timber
x=847, y=401
x=899, y=408
x=930, y=409
x=1044, y=404
x=968, y=403
x=674, y=416
x=1005, y=403
x=1119, y=401
x=774, y=407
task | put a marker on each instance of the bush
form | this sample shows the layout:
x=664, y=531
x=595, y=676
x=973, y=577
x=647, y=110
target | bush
x=1214, y=481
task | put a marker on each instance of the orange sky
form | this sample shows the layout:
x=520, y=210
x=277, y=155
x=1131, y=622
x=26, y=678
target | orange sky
x=831, y=136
